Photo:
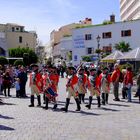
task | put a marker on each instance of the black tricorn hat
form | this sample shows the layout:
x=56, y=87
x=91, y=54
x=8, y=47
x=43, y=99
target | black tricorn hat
x=92, y=69
x=72, y=68
x=105, y=68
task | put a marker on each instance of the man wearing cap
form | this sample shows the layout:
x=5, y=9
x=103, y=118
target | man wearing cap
x=35, y=84
x=93, y=86
x=71, y=87
x=105, y=81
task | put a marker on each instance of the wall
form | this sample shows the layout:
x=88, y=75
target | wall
x=116, y=28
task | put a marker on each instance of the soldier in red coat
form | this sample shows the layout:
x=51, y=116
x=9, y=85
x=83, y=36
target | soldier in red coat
x=72, y=90
x=82, y=84
x=105, y=80
x=50, y=85
x=35, y=84
x=93, y=87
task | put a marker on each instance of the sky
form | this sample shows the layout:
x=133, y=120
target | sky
x=43, y=16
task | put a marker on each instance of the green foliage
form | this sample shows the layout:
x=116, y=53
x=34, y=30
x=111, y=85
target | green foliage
x=86, y=58
x=125, y=66
x=98, y=51
x=19, y=62
x=122, y=46
x=106, y=22
x=48, y=61
x=3, y=60
x=27, y=54
x=66, y=35
x=69, y=54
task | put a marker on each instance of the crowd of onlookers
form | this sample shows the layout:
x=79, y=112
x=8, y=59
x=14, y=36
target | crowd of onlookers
x=11, y=76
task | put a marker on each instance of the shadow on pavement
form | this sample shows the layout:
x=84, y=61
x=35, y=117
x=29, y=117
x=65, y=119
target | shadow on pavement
x=64, y=102
x=7, y=103
x=84, y=113
x=119, y=105
x=5, y=117
x=109, y=109
x=27, y=97
x=2, y=127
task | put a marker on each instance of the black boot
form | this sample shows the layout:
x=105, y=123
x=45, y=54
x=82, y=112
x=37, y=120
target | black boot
x=32, y=101
x=123, y=93
x=80, y=98
x=107, y=98
x=55, y=106
x=90, y=101
x=78, y=104
x=39, y=100
x=46, y=103
x=103, y=98
x=66, y=105
x=5, y=92
x=98, y=99
x=43, y=98
x=9, y=92
x=83, y=98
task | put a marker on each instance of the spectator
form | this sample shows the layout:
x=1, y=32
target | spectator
x=115, y=80
x=128, y=80
x=17, y=86
x=23, y=79
x=7, y=81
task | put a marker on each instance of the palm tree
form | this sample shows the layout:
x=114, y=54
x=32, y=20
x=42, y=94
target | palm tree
x=122, y=46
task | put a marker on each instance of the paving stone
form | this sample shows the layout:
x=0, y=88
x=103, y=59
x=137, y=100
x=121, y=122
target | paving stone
x=115, y=121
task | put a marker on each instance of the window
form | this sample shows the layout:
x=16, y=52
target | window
x=20, y=39
x=126, y=33
x=107, y=35
x=88, y=37
x=75, y=57
x=107, y=49
x=89, y=50
x=13, y=29
x=21, y=29
x=17, y=28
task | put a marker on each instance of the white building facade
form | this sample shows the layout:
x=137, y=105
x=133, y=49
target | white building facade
x=129, y=9
x=84, y=40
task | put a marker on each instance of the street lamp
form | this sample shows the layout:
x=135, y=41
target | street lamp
x=98, y=42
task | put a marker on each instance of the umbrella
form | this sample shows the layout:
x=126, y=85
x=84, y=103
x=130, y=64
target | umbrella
x=112, y=57
x=132, y=55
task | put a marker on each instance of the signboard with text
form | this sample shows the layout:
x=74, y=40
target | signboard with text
x=79, y=42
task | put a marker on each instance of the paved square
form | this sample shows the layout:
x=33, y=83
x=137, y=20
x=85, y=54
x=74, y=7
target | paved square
x=115, y=121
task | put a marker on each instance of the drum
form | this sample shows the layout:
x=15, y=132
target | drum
x=51, y=92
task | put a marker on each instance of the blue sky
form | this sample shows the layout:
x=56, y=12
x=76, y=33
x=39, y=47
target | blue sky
x=43, y=16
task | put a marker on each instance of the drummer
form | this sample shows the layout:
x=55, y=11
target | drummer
x=52, y=79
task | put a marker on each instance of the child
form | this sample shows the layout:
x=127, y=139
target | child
x=17, y=86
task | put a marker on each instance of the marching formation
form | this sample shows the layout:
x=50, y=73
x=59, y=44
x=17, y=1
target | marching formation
x=79, y=80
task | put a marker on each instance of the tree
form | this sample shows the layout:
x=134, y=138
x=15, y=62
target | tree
x=86, y=58
x=19, y=62
x=98, y=51
x=26, y=53
x=122, y=46
x=69, y=54
x=106, y=22
x=3, y=60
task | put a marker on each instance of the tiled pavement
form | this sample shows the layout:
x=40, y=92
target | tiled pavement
x=116, y=121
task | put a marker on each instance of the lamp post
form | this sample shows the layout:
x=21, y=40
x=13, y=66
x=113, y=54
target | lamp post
x=98, y=43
